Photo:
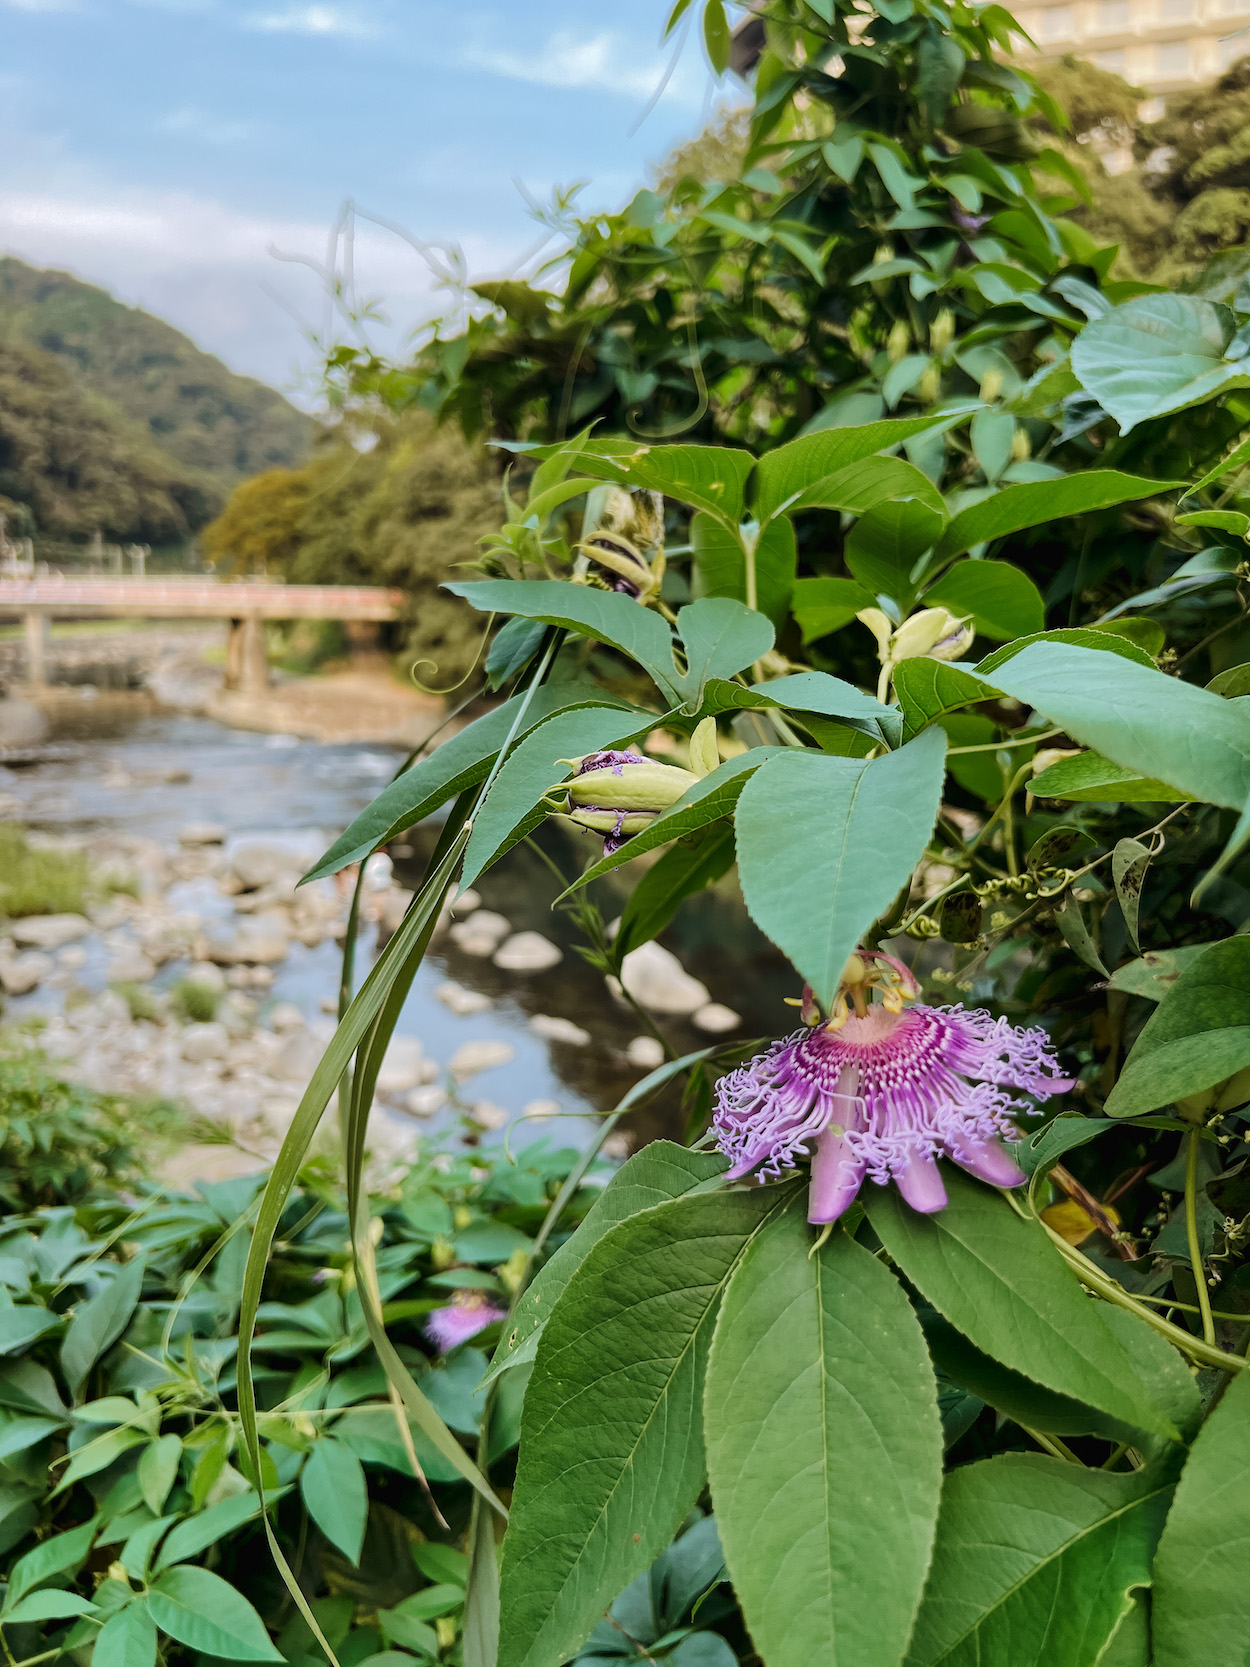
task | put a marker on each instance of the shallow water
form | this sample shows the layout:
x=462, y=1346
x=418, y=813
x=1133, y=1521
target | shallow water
x=278, y=786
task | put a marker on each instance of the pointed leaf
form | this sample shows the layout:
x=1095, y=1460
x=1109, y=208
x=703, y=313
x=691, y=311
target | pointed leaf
x=1003, y=601
x=1157, y=353
x=612, y=1438
x=885, y=544
x=785, y=471
x=824, y=1450
x=333, y=1486
x=127, y=1639
x=158, y=1470
x=1129, y=862
x=720, y=562
x=202, y=1610
x=824, y=605
x=721, y=636
x=999, y=1279
x=1036, y=1563
x=1037, y=503
x=839, y=830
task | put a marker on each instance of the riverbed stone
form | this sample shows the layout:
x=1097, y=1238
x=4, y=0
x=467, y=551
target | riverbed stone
x=131, y=966
x=656, y=979
x=19, y=974
x=526, y=952
x=49, y=931
x=22, y=724
x=257, y=862
x=646, y=1052
x=487, y=1115
x=202, y=1042
x=299, y=1057
x=202, y=833
x=553, y=1028
x=285, y=1016
x=481, y=934
x=716, y=1019
x=403, y=1067
x=463, y=1002
x=425, y=1101
x=540, y=1108
x=484, y=1054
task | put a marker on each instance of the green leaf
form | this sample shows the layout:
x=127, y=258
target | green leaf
x=158, y=1471
x=842, y=830
x=712, y=478
x=48, y=1606
x=786, y=471
x=333, y=1487
x=716, y=35
x=1037, y=503
x=1155, y=354
x=99, y=1322
x=205, y=1528
x=656, y=1175
x=860, y=487
x=514, y=803
x=205, y=1612
x=20, y=1326
x=720, y=563
x=1103, y=641
x=928, y=689
x=1003, y=601
x=992, y=434
x=824, y=1449
x=513, y=649
x=680, y=873
x=442, y=1564
x=707, y=801
x=985, y=1269
x=1036, y=1562
x=1129, y=862
x=127, y=1639
x=460, y=762
x=897, y=181
x=1157, y=971
x=939, y=66
x=612, y=1452
x=1154, y=725
x=885, y=544
x=721, y=637
x=1236, y=459
x=59, y=1555
x=1091, y=778
x=824, y=605
x=1197, y=1036
x=17, y=1435
x=606, y=615
x=413, y=1634
x=1201, y=1599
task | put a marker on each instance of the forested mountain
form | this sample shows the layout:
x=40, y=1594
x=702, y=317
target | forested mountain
x=111, y=418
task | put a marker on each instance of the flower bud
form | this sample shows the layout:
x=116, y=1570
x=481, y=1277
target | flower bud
x=1044, y=757
x=942, y=331
x=639, y=785
x=929, y=388
x=632, y=575
x=898, y=340
x=1021, y=449
x=932, y=632
x=614, y=825
x=991, y=385
x=704, y=754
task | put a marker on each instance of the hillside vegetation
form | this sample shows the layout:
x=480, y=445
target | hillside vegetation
x=111, y=418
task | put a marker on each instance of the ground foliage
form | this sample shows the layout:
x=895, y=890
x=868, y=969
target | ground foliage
x=1011, y=1432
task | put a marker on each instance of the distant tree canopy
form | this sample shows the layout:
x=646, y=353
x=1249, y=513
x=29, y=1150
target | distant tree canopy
x=399, y=504
x=1187, y=197
x=111, y=418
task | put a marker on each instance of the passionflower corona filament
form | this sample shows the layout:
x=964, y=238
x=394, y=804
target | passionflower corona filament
x=464, y=1316
x=882, y=1091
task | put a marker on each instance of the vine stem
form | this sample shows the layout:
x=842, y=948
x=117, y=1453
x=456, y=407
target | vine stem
x=1191, y=1233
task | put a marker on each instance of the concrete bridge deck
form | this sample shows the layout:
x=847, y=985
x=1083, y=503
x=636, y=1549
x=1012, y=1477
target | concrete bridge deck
x=245, y=604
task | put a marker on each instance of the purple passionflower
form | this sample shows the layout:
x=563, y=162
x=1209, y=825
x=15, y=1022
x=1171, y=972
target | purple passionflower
x=465, y=1315
x=883, y=1092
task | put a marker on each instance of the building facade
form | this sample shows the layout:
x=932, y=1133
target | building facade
x=1161, y=45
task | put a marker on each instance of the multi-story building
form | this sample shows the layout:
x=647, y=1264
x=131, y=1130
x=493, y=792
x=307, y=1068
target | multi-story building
x=1162, y=45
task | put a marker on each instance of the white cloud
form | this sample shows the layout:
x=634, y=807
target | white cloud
x=43, y=5
x=607, y=62
x=199, y=124
x=312, y=20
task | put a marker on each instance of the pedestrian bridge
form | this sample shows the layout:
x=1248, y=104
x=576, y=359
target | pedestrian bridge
x=246, y=604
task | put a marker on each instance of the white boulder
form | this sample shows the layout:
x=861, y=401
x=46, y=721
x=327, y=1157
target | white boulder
x=555, y=1029
x=49, y=931
x=461, y=1001
x=715, y=1018
x=645, y=1052
x=202, y=1042
x=526, y=952
x=482, y=1055
x=656, y=979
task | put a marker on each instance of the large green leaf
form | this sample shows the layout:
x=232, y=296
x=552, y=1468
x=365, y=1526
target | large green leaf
x=460, y=762
x=998, y=1278
x=862, y=486
x=720, y=636
x=706, y=802
x=1003, y=601
x=825, y=844
x=824, y=1450
x=612, y=1453
x=1105, y=642
x=1201, y=1595
x=1154, y=725
x=127, y=1639
x=1157, y=353
x=202, y=1610
x=514, y=803
x=884, y=546
x=1036, y=1563
x=99, y=1322
x=1037, y=503
x=680, y=873
x=720, y=562
x=657, y=1174
x=606, y=615
x=786, y=470
x=20, y=1325
x=58, y=1555
x=928, y=689
x=1197, y=1036
x=824, y=605
x=1091, y=778
x=334, y=1490
x=711, y=478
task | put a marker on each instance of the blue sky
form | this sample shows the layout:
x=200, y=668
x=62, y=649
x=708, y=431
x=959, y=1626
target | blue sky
x=164, y=148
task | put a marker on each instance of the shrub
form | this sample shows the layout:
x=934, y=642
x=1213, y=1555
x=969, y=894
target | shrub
x=195, y=1001
x=39, y=880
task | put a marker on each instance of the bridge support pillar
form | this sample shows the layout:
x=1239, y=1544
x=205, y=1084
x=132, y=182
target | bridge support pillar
x=37, y=634
x=247, y=664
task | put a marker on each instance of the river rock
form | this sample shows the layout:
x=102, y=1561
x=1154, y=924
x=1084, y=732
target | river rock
x=257, y=863
x=461, y=1001
x=205, y=973
x=49, y=931
x=19, y=974
x=301, y=1054
x=403, y=1067
x=482, y=1055
x=464, y=902
x=202, y=833
x=487, y=1115
x=481, y=934
x=540, y=1108
x=131, y=966
x=715, y=1018
x=72, y=957
x=646, y=1052
x=656, y=979
x=202, y=1042
x=22, y=724
x=260, y=939
x=555, y=1029
x=526, y=952
x=425, y=1102
x=286, y=1016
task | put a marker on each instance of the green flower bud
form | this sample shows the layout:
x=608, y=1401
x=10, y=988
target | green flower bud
x=641, y=786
